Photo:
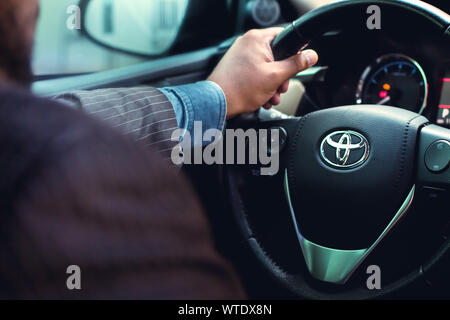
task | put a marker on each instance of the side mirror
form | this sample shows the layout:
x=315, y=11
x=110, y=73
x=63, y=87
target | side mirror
x=144, y=27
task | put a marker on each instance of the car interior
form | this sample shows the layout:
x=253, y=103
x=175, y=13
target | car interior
x=312, y=230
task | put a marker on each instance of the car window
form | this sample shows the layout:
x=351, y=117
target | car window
x=60, y=50
x=139, y=26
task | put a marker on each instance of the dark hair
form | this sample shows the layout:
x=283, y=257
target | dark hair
x=15, y=47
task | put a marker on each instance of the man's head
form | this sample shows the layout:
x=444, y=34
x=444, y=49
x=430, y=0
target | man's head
x=17, y=26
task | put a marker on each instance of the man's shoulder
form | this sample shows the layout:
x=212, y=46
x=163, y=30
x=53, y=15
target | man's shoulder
x=20, y=111
x=36, y=133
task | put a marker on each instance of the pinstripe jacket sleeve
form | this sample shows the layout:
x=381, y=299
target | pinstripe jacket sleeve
x=151, y=115
x=145, y=113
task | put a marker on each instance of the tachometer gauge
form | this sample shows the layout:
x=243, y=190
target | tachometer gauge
x=394, y=80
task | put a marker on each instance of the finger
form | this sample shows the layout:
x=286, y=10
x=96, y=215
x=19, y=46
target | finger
x=290, y=67
x=267, y=106
x=268, y=34
x=276, y=99
x=284, y=87
x=272, y=32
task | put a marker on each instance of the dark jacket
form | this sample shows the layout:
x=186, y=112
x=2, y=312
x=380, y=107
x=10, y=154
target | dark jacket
x=74, y=192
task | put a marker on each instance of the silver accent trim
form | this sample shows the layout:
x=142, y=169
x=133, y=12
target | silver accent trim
x=347, y=147
x=335, y=265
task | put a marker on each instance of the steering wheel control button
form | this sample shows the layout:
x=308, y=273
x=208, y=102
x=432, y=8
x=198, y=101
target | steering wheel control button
x=437, y=157
x=434, y=194
x=345, y=149
x=282, y=140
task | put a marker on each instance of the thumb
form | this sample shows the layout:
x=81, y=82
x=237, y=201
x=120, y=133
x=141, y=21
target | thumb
x=303, y=60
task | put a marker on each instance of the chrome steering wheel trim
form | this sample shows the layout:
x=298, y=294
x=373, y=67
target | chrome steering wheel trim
x=335, y=265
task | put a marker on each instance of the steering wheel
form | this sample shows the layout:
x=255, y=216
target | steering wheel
x=349, y=174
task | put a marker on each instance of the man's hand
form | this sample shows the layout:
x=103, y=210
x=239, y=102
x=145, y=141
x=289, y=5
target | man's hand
x=249, y=76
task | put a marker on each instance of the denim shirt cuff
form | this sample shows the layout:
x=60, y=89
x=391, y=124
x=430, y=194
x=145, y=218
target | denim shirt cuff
x=202, y=101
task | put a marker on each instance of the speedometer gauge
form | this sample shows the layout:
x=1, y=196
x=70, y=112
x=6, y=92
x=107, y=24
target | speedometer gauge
x=394, y=80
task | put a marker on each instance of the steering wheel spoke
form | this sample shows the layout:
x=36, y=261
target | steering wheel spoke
x=335, y=265
x=434, y=158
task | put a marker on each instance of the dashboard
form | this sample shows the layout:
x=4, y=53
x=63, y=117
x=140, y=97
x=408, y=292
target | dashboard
x=396, y=80
x=408, y=70
x=405, y=68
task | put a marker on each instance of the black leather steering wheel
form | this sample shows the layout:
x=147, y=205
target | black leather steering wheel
x=359, y=167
